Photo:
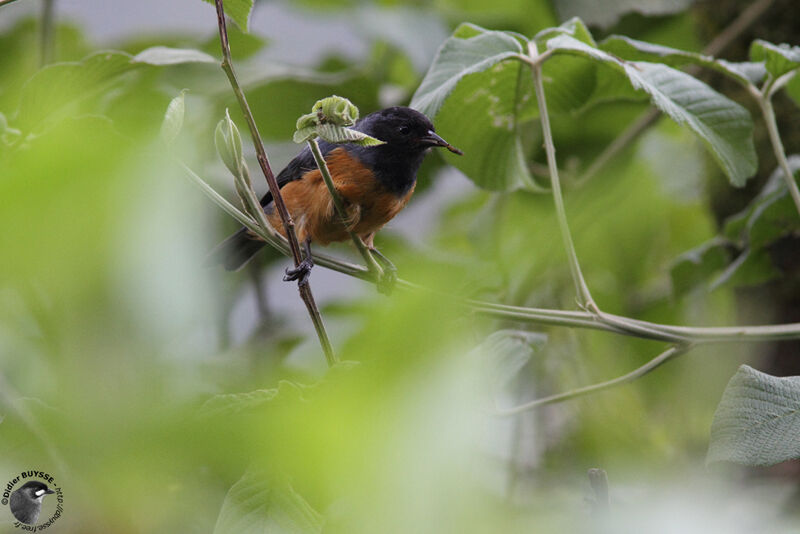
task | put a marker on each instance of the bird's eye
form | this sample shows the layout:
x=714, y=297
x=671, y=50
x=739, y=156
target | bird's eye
x=404, y=130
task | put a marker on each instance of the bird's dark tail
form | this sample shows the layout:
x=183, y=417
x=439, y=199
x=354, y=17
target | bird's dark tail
x=235, y=251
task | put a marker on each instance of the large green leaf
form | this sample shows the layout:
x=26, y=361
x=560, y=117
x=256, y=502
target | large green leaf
x=779, y=59
x=60, y=84
x=238, y=11
x=757, y=421
x=475, y=96
x=258, y=505
x=724, y=126
x=630, y=49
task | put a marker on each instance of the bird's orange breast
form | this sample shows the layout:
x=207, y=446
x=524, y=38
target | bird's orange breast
x=369, y=204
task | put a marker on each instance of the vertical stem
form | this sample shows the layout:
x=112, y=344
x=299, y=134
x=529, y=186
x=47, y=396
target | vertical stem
x=777, y=146
x=47, y=30
x=303, y=286
x=577, y=276
x=338, y=203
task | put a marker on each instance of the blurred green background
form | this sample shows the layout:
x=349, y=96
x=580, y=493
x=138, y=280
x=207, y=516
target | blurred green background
x=168, y=396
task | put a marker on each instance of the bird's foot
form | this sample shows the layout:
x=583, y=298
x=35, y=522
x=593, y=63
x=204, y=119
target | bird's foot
x=301, y=272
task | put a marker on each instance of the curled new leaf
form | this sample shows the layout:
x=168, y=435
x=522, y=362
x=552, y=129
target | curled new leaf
x=229, y=144
x=329, y=119
x=336, y=110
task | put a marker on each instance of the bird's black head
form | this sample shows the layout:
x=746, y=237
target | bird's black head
x=403, y=130
x=35, y=489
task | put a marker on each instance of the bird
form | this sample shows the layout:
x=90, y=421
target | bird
x=375, y=183
x=26, y=502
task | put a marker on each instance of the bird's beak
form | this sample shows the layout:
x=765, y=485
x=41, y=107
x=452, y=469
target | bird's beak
x=431, y=139
x=48, y=491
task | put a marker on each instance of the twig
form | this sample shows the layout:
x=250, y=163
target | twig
x=4, y=2
x=341, y=211
x=659, y=360
x=577, y=276
x=303, y=285
x=543, y=316
x=648, y=118
x=764, y=99
x=48, y=26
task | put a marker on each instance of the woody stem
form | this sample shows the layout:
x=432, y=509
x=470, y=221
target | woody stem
x=303, y=286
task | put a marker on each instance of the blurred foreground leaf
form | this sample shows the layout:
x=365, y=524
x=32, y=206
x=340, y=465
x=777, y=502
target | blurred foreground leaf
x=508, y=351
x=235, y=403
x=173, y=118
x=757, y=421
x=258, y=505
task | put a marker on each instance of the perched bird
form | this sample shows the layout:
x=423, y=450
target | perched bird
x=375, y=183
x=26, y=502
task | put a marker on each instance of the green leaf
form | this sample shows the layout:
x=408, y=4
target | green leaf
x=470, y=50
x=243, y=45
x=258, y=505
x=61, y=84
x=162, y=55
x=771, y=214
x=477, y=97
x=173, y=118
x=694, y=268
x=238, y=11
x=724, y=126
x=779, y=59
x=633, y=50
x=757, y=421
x=574, y=27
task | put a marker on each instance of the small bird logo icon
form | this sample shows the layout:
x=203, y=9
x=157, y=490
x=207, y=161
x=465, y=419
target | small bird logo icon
x=26, y=502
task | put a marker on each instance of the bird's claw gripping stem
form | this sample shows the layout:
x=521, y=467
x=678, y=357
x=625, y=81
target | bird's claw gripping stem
x=303, y=269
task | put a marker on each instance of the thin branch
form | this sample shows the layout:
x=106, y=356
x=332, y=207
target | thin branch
x=659, y=360
x=542, y=316
x=732, y=32
x=341, y=211
x=4, y=2
x=577, y=276
x=303, y=285
x=768, y=112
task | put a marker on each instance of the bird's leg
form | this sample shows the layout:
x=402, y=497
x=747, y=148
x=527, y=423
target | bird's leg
x=388, y=278
x=303, y=270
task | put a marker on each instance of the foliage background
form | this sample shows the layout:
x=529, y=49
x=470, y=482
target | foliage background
x=114, y=335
